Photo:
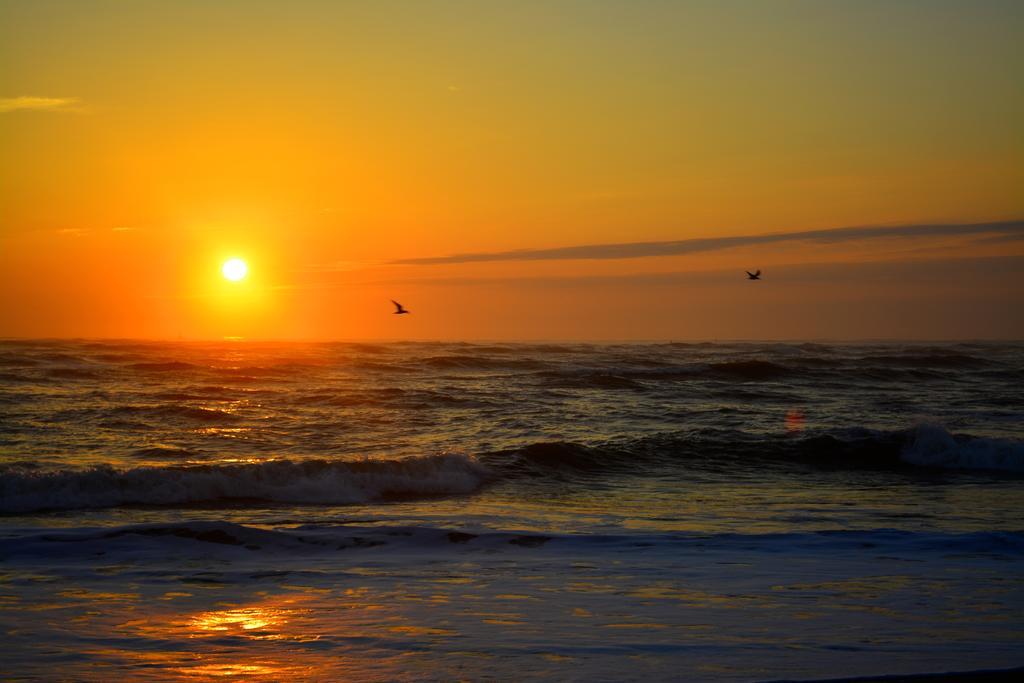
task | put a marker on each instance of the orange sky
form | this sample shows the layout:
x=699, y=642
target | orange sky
x=142, y=144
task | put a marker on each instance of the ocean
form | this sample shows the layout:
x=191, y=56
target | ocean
x=509, y=511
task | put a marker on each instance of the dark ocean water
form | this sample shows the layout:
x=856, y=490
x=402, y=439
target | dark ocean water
x=665, y=468
x=100, y=425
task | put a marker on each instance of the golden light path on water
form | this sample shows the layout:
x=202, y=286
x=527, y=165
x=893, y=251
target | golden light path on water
x=218, y=643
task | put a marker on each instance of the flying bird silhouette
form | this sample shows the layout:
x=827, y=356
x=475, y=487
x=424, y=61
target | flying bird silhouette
x=756, y=275
x=398, y=308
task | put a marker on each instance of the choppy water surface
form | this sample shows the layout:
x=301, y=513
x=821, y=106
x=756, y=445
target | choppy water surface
x=644, y=484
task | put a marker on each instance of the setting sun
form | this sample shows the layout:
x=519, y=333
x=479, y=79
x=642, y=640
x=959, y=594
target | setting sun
x=234, y=269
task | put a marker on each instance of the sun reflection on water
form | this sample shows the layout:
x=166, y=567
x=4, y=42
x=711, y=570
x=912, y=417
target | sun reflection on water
x=266, y=671
x=267, y=622
x=796, y=421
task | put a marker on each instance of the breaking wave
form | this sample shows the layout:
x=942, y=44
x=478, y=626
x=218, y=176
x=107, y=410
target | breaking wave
x=925, y=445
x=933, y=446
x=339, y=482
x=280, y=481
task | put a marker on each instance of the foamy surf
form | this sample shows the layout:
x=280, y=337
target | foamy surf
x=321, y=481
x=932, y=446
x=280, y=481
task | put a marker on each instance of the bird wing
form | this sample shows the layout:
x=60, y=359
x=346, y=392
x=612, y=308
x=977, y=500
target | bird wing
x=749, y=273
x=757, y=272
x=398, y=306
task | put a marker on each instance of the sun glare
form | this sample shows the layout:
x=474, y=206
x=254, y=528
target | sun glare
x=234, y=269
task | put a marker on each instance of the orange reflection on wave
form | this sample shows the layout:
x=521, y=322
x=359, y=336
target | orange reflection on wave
x=355, y=633
x=178, y=665
x=795, y=421
x=234, y=619
x=267, y=670
x=267, y=621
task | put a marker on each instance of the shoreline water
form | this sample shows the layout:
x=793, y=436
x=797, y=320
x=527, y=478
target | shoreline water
x=735, y=607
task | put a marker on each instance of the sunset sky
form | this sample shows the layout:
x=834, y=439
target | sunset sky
x=520, y=170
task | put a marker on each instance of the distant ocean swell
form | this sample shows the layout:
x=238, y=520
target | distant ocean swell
x=547, y=364
x=336, y=482
x=802, y=368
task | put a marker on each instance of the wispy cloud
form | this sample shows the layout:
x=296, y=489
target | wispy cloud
x=65, y=104
x=818, y=274
x=627, y=250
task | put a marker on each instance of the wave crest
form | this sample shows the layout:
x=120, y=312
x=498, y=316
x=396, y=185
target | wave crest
x=932, y=446
x=922, y=446
x=322, y=482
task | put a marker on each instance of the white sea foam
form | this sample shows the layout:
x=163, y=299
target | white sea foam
x=316, y=481
x=932, y=446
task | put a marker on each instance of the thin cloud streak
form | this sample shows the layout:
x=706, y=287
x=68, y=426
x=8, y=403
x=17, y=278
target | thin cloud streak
x=823, y=273
x=68, y=104
x=1012, y=229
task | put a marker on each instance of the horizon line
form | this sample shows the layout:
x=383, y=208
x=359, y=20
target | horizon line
x=230, y=339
